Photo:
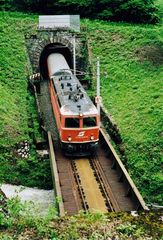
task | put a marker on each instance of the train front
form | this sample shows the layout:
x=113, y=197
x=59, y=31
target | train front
x=80, y=128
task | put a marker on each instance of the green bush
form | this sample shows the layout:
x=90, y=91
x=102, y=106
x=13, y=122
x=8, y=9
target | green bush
x=139, y=11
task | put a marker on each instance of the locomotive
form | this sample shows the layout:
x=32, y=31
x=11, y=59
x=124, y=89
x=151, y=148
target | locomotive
x=77, y=118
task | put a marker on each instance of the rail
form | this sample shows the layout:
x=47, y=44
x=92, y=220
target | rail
x=123, y=174
x=106, y=189
x=55, y=176
x=80, y=188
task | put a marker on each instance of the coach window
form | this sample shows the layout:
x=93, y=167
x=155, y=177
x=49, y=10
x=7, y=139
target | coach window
x=72, y=123
x=89, y=122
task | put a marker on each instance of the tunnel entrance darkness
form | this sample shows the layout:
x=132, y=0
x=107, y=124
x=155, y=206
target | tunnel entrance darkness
x=54, y=48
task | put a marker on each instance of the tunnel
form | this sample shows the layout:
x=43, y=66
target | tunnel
x=54, y=48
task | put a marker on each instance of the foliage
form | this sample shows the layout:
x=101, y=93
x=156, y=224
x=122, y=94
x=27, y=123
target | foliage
x=130, y=87
x=17, y=107
x=23, y=215
x=159, y=5
x=28, y=172
x=21, y=223
x=127, y=229
x=117, y=10
x=131, y=74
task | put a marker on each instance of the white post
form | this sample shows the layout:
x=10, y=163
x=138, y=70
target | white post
x=74, y=55
x=98, y=86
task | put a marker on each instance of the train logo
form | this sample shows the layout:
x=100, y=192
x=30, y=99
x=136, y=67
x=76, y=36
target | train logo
x=81, y=134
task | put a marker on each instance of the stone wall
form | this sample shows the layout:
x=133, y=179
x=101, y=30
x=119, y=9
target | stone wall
x=37, y=43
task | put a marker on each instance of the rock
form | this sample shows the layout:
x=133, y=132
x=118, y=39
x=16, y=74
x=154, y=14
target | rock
x=134, y=213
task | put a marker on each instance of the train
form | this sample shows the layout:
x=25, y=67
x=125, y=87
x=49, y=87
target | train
x=77, y=118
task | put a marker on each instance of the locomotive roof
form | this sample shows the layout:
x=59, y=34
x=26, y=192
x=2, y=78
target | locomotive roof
x=73, y=99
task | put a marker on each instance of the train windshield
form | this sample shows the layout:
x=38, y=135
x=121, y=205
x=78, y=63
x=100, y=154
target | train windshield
x=89, y=122
x=72, y=123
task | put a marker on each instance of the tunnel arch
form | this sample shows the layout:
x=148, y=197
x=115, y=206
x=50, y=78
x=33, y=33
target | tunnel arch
x=44, y=46
x=54, y=48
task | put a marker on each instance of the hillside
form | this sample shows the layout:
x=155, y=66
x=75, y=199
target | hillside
x=131, y=63
x=131, y=72
x=18, y=116
x=131, y=58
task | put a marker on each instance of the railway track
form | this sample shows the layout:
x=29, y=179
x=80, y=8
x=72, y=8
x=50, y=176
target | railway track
x=89, y=187
x=100, y=183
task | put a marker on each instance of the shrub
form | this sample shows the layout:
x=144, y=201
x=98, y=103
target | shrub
x=139, y=11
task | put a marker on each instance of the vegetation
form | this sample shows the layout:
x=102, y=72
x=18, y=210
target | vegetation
x=131, y=72
x=131, y=59
x=159, y=5
x=18, y=222
x=131, y=63
x=139, y=11
x=17, y=107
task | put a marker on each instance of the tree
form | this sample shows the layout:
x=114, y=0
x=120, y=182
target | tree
x=139, y=11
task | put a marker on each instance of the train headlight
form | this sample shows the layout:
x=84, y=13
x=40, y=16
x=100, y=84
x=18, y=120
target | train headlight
x=69, y=139
x=92, y=138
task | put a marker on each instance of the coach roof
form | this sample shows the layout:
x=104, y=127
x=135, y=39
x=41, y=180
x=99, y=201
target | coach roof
x=72, y=98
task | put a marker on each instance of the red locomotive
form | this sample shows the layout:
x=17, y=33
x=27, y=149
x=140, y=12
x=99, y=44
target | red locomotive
x=76, y=116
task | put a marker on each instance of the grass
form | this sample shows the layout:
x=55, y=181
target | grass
x=21, y=223
x=17, y=106
x=13, y=80
x=131, y=72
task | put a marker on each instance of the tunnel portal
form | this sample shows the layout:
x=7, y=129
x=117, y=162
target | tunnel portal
x=54, y=48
